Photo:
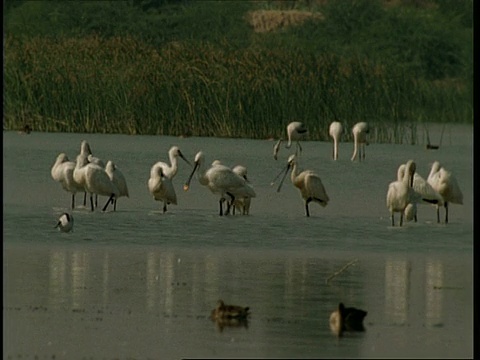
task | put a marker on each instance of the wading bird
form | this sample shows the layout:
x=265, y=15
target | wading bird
x=242, y=203
x=95, y=181
x=221, y=180
x=360, y=131
x=346, y=319
x=310, y=185
x=118, y=179
x=296, y=131
x=161, y=187
x=65, y=223
x=445, y=183
x=335, y=131
x=171, y=170
x=425, y=194
x=85, y=151
x=400, y=192
x=62, y=172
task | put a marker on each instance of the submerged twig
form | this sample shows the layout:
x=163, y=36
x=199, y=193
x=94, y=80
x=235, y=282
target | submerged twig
x=341, y=270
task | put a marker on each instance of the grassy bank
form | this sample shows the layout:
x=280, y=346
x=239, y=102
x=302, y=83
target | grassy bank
x=194, y=87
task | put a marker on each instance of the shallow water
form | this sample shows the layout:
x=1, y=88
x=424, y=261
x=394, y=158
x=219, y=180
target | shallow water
x=137, y=283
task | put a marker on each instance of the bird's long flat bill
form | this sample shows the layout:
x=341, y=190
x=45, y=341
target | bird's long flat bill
x=276, y=177
x=186, y=186
x=184, y=158
x=283, y=178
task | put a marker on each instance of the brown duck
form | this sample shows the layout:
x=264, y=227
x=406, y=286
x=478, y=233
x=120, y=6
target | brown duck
x=222, y=311
x=347, y=319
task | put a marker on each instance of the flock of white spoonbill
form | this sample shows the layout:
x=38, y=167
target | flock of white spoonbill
x=89, y=174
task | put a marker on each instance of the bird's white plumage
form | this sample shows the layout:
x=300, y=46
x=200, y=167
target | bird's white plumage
x=296, y=132
x=118, y=179
x=171, y=170
x=335, y=131
x=221, y=180
x=400, y=192
x=161, y=187
x=62, y=172
x=242, y=203
x=307, y=182
x=360, y=131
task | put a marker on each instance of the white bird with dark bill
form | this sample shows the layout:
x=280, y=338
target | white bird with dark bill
x=95, y=181
x=310, y=185
x=335, y=131
x=400, y=192
x=118, y=179
x=221, y=180
x=65, y=223
x=62, y=172
x=161, y=187
x=445, y=183
x=360, y=131
x=426, y=194
x=171, y=170
x=296, y=131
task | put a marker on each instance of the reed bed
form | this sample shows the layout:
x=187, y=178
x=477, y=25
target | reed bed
x=123, y=85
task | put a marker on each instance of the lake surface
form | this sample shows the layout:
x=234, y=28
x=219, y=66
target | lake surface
x=140, y=284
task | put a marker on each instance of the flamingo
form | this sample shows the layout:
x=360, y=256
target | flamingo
x=65, y=223
x=400, y=192
x=360, y=131
x=445, y=183
x=296, y=131
x=346, y=319
x=221, y=180
x=425, y=194
x=335, y=131
x=116, y=176
x=161, y=187
x=310, y=185
x=171, y=170
x=62, y=172
x=95, y=181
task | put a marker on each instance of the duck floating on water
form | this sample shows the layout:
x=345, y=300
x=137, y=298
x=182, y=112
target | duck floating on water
x=346, y=319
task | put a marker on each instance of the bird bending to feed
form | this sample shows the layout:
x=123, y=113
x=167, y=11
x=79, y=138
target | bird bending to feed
x=310, y=185
x=62, y=172
x=223, y=311
x=400, y=193
x=116, y=176
x=65, y=223
x=296, y=131
x=335, y=131
x=360, y=131
x=445, y=183
x=346, y=319
x=221, y=180
x=161, y=187
x=95, y=181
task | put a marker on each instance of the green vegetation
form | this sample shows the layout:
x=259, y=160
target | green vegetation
x=198, y=68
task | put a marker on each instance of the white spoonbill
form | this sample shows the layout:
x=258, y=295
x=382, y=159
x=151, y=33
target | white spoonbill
x=242, y=203
x=85, y=151
x=335, y=131
x=296, y=131
x=400, y=192
x=118, y=179
x=310, y=185
x=425, y=194
x=161, y=187
x=360, y=131
x=95, y=180
x=221, y=180
x=62, y=172
x=445, y=183
x=65, y=223
x=171, y=170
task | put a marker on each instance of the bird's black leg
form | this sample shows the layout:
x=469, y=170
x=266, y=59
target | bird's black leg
x=307, y=212
x=91, y=202
x=73, y=201
x=401, y=218
x=393, y=219
x=85, y=198
x=96, y=200
x=115, y=204
x=438, y=214
x=446, y=212
x=110, y=200
x=221, y=205
x=230, y=203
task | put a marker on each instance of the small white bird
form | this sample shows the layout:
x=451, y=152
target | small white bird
x=296, y=131
x=116, y=176
x=445, y=183
x=360, y=131
x=335, y=131
x=65, y=223
x=310, y=185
